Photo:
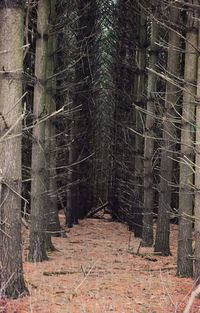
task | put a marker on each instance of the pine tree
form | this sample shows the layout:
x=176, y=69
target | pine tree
x=186, y=194
x=11, y=63
x=149, y=193
x=172, y=95
x=39, y=210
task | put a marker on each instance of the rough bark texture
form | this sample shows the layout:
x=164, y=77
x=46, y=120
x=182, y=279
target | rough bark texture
x=197, y=178
x=50, y=138
x=169, y=141
x=11, y=61
x=140, y=95
x=185, y=262
x=12, y=3
x=147, y=236
x=38, y=186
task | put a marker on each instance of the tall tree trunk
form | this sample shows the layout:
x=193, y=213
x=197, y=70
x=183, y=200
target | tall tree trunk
x=140, y=90
x=197, y=177
x=149, y=194
x=73, y=194
x=123, y=193
x=185, y=262
x=81, y=148
x=38, y=186
x=11, y=64
x=50, y=138
x=169, y=139
x=103, y=111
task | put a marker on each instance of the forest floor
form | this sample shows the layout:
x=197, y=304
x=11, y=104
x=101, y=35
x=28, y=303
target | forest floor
x=96, y=270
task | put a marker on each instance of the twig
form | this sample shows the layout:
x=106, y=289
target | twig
x=194, y=294
x=166, y=289
x=129, y=240
x=88, y=273
x=62, y=204
x=83, y=270
x=24, y=222
x=6, y=284
x=138, y=249
x=96, y=210
x=161, y=269
x=59, y=273
x=15, y=192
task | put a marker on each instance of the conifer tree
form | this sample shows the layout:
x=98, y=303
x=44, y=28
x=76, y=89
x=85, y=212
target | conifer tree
x=11, y=63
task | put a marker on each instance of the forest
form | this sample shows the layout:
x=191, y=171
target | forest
x=99, y=145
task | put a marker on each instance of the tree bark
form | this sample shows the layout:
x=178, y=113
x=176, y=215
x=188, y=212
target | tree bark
x=11, y=64
x=141, y=80
x=197, y=177
x=169, y=139
x=39, y=208
x=149, y=194
x=50, y=138
x=185, y=262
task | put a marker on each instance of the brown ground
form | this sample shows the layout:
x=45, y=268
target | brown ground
x=95, y=271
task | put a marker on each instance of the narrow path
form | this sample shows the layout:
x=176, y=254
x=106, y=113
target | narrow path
x=93, y=271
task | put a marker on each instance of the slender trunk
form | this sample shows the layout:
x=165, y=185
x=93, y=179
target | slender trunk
x=81, y=148
x=73, y=190
x=11, y=63
x=185, y=262
x=149, y=193
x=50, y=139
x=38, y=186
x=139, y=83
x=169, y=140
x=71, y=194
x=197, y=178
x=123, y=193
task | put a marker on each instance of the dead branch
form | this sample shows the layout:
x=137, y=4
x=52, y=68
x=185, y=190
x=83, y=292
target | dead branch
x=194, y=294
x=96, y=210
x=59, y=273
x=24, y=222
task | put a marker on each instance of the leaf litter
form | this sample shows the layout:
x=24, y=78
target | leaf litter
x=98, y=269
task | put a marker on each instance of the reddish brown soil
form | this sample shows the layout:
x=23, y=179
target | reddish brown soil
x=96, y=271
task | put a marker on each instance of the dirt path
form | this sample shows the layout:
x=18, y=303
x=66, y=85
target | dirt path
x=93, y=271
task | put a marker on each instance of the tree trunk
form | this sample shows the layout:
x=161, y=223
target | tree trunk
x=81, y=147
x=197, y=178
x=169, y=140
x=11, y=64
x=38, y=186
x=50, y=138
x=139, y=142
x=147, y=236
x=73, y=190
x=185, y=262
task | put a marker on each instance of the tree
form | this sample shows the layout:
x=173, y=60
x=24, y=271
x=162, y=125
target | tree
x=185, y=262
x=50, y=134
x=172, y=95
x=122, y=193
x=102, y=123
x=11, y=63
x=197, y=176
x=39, y=211
x=64, y=29
x=149, y=193
x=140, y=86
x=80, y=152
